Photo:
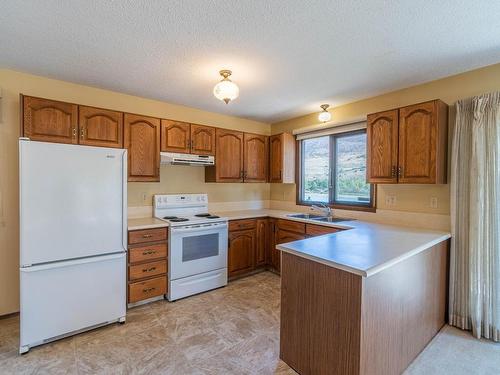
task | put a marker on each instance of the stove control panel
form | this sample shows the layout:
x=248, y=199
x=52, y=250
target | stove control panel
x=180, y=200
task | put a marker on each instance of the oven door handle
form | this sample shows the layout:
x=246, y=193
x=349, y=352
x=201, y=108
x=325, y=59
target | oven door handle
x=200, y=228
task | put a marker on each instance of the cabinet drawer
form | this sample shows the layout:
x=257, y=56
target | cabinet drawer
x=242, y=224
x=292, y=226
x=140, y=271
x=147, y=235
x=141, y=290
x=318, y=230
x=283, y=236
x=148, y=252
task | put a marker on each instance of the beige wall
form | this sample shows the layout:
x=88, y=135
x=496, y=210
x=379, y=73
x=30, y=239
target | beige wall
x=173, y=179
x=414, y=198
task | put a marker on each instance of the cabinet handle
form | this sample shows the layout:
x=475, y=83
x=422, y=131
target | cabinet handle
x=74, y=132
x=147, y=290
x=148, y=269
x=400, y=171
x=147, y=235
x=393, y=171
x=149, y=252
x=82, y=132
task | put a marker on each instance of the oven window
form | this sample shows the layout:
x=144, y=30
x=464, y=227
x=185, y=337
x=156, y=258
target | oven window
x=199, y=247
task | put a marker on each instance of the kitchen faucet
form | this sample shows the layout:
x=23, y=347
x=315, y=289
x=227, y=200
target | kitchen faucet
x=323, y=208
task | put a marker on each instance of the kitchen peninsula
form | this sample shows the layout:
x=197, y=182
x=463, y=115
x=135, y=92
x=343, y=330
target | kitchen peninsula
x=362, y=301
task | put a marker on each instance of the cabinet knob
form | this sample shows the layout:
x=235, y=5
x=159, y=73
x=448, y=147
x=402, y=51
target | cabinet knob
x=400, y=171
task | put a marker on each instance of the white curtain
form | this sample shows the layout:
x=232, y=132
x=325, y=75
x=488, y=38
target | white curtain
x=475, y=211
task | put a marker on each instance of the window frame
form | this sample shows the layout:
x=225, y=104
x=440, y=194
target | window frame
x=369, y=207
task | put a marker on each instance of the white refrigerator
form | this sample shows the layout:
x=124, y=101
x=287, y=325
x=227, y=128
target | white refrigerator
x=73, y=215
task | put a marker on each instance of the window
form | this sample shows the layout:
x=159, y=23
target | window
x=333, y=170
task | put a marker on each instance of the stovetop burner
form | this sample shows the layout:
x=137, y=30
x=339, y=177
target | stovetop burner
x=178, y=219
x=170, y=217
x=207, y=216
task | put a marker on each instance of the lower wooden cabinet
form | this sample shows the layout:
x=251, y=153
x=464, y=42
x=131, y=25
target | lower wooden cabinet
x=241, y=252
x=147, y=264
x=252, y=242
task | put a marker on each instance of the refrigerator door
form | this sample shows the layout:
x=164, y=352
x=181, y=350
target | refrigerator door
x=72, y=201
x=64, y=297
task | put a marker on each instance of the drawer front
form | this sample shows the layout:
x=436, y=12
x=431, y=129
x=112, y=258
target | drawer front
x=147, y=235
x=141, y=271
x=318, y=230
x=283, y=236
x=291, y=226
x=146, y=289
x=149, y=252
x=242, y=224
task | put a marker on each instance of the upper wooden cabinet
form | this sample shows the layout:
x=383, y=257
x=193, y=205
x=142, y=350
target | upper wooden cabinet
x=175, y=136
x=382, y=148
x=202, y=140
x=181, y=137
x=228, y=158
x=49, y=120
x=282, y=158
x=142, y=139
x=100, y=127
x=408, y=145
x=423, y=140
x=255, y=158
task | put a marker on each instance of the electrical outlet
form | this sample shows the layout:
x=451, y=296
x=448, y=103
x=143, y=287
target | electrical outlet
x=434, y=202
x=390, y=200
x=144, y=197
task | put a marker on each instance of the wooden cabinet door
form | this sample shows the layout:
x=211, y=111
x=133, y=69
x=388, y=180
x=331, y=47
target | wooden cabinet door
x=49, y=120
x=100, y=127
x=229, y=156
x=276, y=158
x=262, y=242
x=255, y=158
x=418, y=143
x=202, y=140
x=241, y=252
x=282, y=158
x=175, y=136
x=142, y=139
x=382, y=147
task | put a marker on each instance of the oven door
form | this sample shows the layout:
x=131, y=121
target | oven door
x=196, y=249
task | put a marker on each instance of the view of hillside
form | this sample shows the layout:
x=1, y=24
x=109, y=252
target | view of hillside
x=350, y=170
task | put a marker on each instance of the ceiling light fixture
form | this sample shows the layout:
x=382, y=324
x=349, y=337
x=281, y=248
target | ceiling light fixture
x=226, y=90
x=324, y=115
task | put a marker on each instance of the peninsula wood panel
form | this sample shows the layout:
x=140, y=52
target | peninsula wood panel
x=382, y=149
x=202, y=140
x=228, y=158
x=320, y=318
x=100, y=127
x=49, y=120
x=175, y=136
x=255, y=158
x=422, y=143
x=142, y=139
x=282, y=158
x=405, y=309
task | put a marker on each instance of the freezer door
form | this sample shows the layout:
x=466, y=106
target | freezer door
x=72, y=201
x=64, y=297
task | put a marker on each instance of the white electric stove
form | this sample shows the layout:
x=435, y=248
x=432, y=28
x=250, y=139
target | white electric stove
x=197, y=259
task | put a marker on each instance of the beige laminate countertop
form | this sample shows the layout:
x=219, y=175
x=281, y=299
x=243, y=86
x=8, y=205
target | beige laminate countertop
x=364, y=249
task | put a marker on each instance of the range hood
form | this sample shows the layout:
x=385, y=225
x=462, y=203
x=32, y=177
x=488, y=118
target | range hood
x=186, y=159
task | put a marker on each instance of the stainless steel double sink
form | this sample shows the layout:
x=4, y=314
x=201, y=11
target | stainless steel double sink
x=327, y=219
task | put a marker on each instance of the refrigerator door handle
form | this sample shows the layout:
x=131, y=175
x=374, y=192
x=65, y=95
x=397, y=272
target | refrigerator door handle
x=124, y=200
x=67, y=263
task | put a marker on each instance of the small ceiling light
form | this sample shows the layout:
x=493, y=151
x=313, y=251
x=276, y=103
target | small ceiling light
x=226, y=90
x=324, y=115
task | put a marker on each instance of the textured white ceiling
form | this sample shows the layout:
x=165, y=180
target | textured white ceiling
x=287, y=56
